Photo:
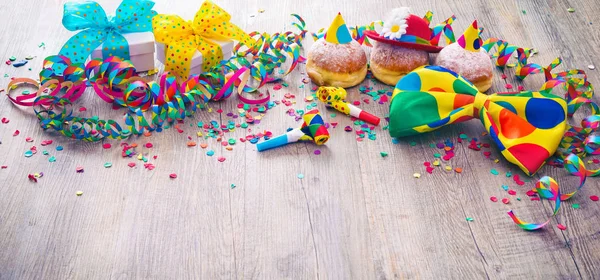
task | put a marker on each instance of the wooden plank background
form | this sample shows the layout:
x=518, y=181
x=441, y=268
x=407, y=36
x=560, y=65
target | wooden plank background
x=355, y=215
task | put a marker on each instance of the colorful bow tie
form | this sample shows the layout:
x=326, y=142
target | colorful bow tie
x=131, y=16
x=527, y=127
x=183, y=38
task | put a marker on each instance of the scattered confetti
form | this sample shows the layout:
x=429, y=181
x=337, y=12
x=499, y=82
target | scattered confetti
x=106, y=145
x=317, y=152
x=233, y=186
x=469, y=219
x=221, y=159
x=575, y=206
x=300, y=176
x=172, y=175
x=494, y=171
x=79, y=169
x=131, y=164
x=210, y=153
x=79, y=193
x=16, y=133
x=570, y=10
x=59, y=148
x=493, y=199
x=591, y=67
x=383, y=154
x=505, y=200
x=107, y=165
x=28, y=153
x=458, y=170
x=561, y=226
x=594, y=198
x=52, y=159
x=417, y=175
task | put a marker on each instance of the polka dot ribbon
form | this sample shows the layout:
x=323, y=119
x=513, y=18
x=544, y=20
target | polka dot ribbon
x=98, y=29
x=182, y=38
x=527, y=127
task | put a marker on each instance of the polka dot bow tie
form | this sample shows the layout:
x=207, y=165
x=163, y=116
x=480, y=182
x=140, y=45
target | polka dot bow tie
x=183, y=38
x=98, y=29
x=527, y=126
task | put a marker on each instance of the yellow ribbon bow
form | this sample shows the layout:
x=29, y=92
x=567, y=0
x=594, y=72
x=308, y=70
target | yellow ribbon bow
x=182, y=38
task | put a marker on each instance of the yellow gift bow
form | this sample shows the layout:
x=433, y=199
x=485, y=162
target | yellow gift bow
x=182, y=38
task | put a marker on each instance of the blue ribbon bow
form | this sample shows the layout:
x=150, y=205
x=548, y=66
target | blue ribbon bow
x=131, y=16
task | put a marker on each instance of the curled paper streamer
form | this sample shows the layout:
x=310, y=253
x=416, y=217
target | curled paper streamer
x=131, y=16
x=335, y=97
x=313, y=129
x=150, y=105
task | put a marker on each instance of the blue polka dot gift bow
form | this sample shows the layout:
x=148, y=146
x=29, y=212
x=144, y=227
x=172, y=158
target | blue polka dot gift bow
x=131, y=16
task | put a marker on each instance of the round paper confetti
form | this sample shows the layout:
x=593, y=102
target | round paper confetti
x=300, y=176
x=79, y=193
x=107, y=165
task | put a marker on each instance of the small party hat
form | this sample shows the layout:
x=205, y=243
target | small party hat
x=338, y=32
x=470, y=40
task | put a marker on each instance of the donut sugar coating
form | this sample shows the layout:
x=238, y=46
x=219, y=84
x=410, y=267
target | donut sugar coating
x=390, y=63
x=338, y=65
x=476, y=67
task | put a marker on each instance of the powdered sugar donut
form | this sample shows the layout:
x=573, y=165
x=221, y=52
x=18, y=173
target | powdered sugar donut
x=476, y=67
x=390, y=63
x=339, y=65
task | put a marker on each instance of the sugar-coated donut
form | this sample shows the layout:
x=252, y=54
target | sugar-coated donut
x=338, y=65
x=476, y=67
x=390, y=63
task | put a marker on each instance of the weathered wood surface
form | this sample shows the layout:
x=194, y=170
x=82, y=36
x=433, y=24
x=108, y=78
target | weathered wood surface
x=355, y=215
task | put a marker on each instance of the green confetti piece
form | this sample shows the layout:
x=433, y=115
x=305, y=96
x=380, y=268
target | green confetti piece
x=463, y=136
x=413, y=143
x=52, y=159
x=333, y=115
x=244, y=125
x=231, y=141
x=44, y=152
x=518, y=198
x=570, y=10
x=469, y=219
x=575, y=206
x=431, y=145
x=508, y=174
x=107, y=165
x=12, y=58
x=383, y=154
x=437, y=155
x=28, y=153
x=524, y=12
x=300, y=176
x=494, y=171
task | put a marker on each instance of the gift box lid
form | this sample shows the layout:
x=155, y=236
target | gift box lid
x=139, y=43
x=226, y=48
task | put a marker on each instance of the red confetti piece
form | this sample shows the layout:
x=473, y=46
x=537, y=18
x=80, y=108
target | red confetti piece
x=5, y=120
x=505, y=200
x=131, y=164
x=518, y=181
x=427, y=163
x=3, y=166
x=32, y=178
x=106, y=145
x=429, y=169
x=277, y=87
x=221, y=159
x=82, y=109
x=28, y=139
x=494, y=199
x=531, y=193
x=512, y=192
x=594, y=197
x=535, y=198
x=561, y=226
x=508, y=86
x=148, y=145
x=596, y=161
x=220, y=111
x=149, y=166
x=503, y=76
x=521, y=88
x=79, y=169
x=46, y=142
x=356, y=103
x=172, y=175
x=17, y=132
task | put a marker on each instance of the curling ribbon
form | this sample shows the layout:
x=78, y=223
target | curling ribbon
x=98, y=29
x=151, y=106
x=313, y=129
x=335, y=97
x=182, y=38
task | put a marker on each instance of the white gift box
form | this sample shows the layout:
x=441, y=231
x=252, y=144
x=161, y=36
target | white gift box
x=196, y=66
x=141, y=50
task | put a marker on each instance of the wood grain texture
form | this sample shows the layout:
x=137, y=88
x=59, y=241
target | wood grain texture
x=355, y=214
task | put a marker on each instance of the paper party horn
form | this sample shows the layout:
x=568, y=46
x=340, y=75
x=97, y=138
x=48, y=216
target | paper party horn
x=335, y=97
x=313, y=129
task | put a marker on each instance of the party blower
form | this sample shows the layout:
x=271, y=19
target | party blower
x=335, y=97
x=313, y=129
